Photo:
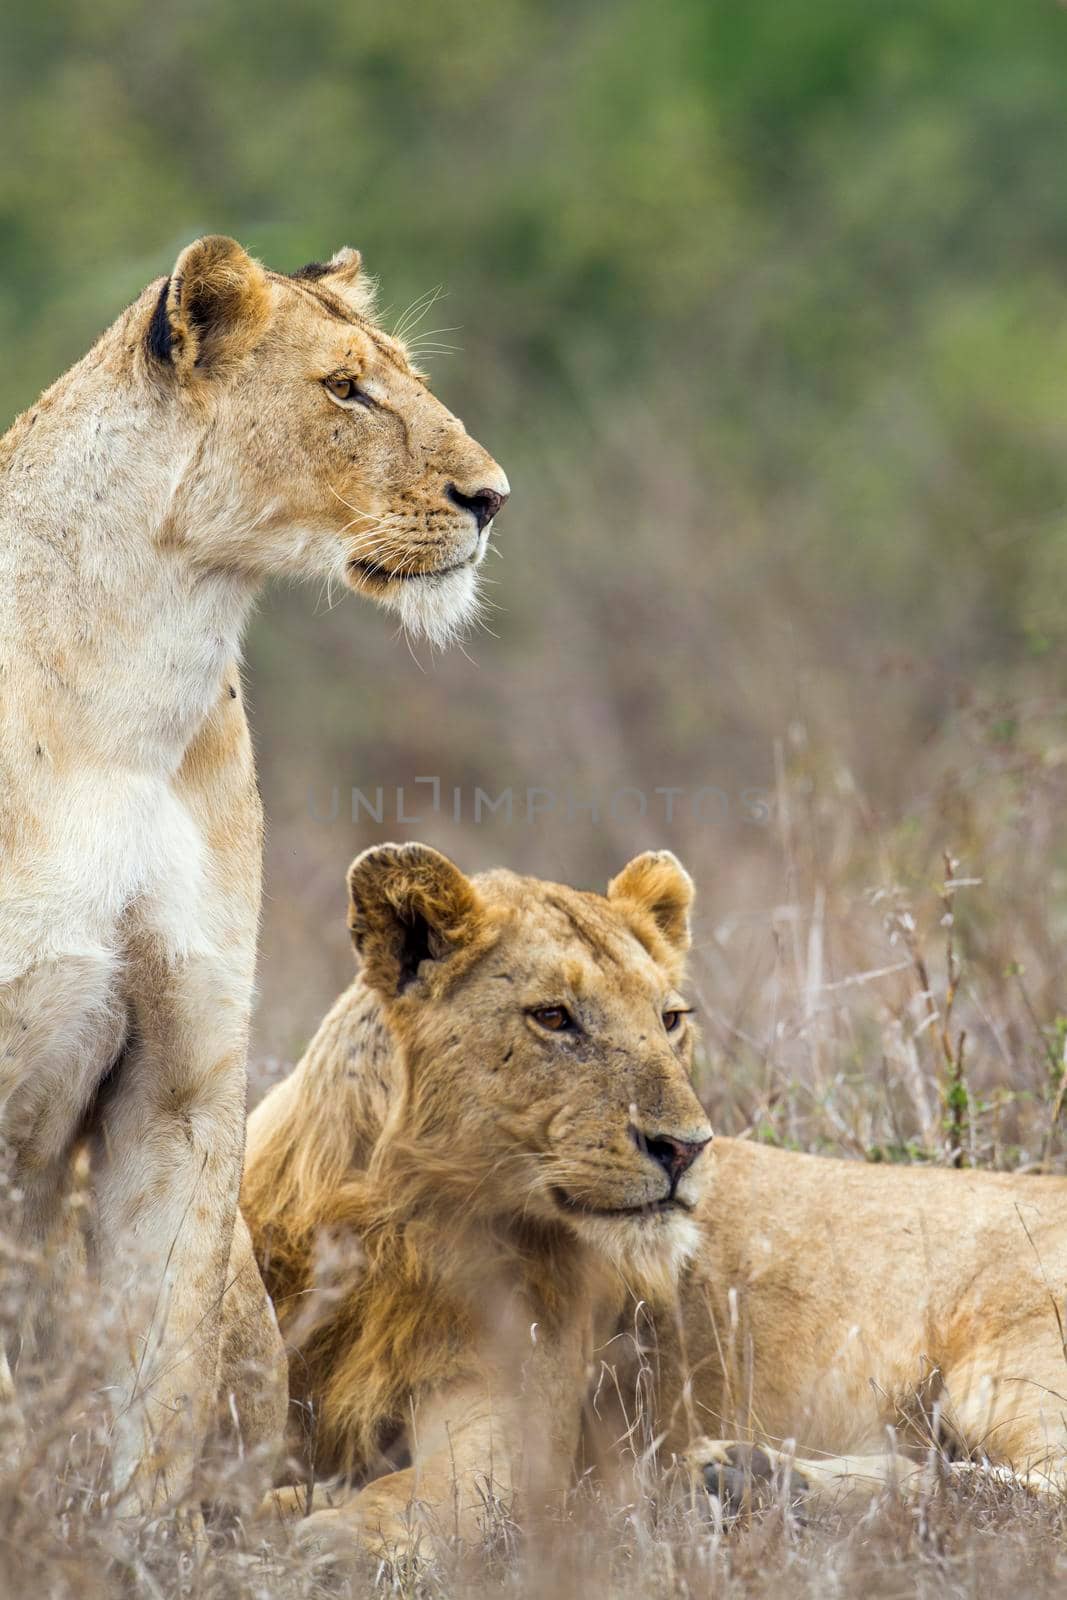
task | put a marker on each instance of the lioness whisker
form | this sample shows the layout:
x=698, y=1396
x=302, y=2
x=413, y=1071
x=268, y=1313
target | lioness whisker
x=415, y=312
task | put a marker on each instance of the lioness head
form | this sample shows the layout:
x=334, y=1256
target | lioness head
x=546, y=1043
x=313, y=445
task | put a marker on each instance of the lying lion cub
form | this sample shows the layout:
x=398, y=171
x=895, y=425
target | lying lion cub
x=492, y=1148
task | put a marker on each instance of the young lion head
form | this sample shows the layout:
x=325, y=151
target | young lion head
x=545, y=1044
x=300, y=438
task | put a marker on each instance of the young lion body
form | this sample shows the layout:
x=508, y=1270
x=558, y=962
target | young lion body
x=232, y=424
x=442, y=1204
x=855, y=1309
x=453, y=1215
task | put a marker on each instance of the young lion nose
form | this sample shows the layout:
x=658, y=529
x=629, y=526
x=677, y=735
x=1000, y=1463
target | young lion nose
x=485, y=503
x=675, y=1156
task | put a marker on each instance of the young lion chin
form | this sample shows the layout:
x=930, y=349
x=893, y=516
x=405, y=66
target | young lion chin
x=490, y=1149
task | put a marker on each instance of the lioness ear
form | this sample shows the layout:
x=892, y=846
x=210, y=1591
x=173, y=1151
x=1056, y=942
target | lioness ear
x=657, y=884
x=407, y=904
x=344, y=274
x=212, y=308
x=345, y=265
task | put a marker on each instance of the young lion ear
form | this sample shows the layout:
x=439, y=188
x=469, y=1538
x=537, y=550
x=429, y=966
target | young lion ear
x=657, y=884
x=212, y=308
x=407, y=904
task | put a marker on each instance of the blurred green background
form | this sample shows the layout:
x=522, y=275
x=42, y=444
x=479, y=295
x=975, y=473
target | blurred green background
x=763, y=306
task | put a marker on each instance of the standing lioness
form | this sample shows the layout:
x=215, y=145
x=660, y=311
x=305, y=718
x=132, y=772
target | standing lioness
x=234, y=423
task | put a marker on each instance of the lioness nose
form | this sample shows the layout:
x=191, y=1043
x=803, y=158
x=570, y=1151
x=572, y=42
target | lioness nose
x=675, y=1156
x=485, y=503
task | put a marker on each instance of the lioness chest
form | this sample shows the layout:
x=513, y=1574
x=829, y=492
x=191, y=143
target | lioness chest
x=111, y=859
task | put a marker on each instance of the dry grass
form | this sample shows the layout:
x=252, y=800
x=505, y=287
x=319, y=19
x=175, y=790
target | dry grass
x=902, y=1000
x=896, y=1000
x=968, y=1539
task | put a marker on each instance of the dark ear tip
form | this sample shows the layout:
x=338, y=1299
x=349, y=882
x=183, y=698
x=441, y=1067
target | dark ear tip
x=408, y=854
x=377, y=855
x=381, y=859
x=158, y=340
x=203, y=257
x=217, y=246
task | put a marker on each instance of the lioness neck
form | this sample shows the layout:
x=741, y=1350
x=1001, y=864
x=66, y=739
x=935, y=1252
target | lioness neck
x=114, y=637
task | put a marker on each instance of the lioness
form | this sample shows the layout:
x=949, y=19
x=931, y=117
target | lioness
x=492, y=1147
x=234, y=423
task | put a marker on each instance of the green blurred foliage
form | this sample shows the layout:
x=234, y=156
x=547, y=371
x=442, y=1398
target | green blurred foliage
x=762, y=305
x=838, y=229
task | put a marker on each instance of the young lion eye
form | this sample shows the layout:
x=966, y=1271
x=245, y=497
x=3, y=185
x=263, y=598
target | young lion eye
x=557, y=1019
x=672, y=1019
x=343, y=388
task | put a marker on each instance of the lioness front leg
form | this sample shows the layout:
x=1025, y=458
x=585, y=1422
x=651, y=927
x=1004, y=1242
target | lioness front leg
x=171, y=1137
x=170, y=1129
x=253, y=1396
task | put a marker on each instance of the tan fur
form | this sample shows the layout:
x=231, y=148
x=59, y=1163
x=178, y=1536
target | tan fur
x=195, y=452
x=847, y=1312
x=400, y=1194
x=443, y=1292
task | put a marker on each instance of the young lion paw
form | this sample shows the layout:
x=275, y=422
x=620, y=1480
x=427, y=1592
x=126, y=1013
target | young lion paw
x=329, y=1537
x=746, y=1477
x=285, y=1503
x=358, y=1527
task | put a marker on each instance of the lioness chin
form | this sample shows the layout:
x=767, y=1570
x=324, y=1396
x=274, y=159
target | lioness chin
x=491, y=1156
x=233, y=424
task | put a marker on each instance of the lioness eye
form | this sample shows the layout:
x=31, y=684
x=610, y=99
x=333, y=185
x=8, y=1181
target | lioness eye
x=672, y=1020
x=557, y=1019
x=343, y=388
